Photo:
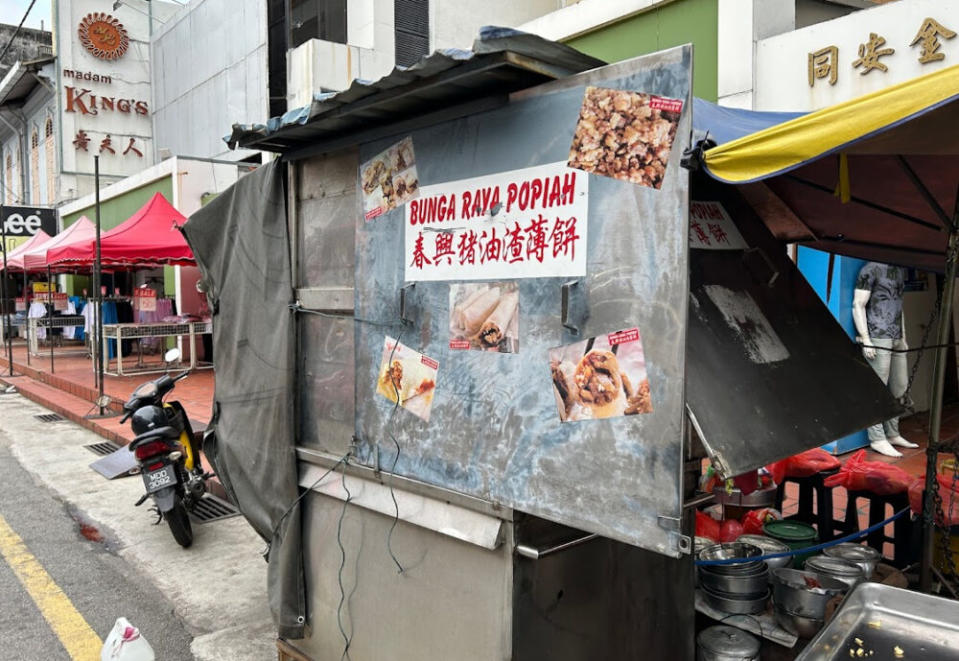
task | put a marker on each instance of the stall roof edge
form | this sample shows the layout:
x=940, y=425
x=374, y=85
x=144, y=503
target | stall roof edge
x=502, y=60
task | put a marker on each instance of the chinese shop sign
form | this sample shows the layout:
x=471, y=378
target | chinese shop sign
x=528, y=223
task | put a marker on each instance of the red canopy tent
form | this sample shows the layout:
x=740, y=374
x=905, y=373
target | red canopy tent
x=35, y=259
x=15, y=256
x=148, y=238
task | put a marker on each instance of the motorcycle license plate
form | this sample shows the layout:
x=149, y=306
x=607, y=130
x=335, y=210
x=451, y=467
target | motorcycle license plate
x=159, y=479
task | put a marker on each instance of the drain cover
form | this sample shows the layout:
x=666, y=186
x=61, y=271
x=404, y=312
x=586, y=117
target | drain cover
x=50, y=417
x=103, y=449
x=210, y=508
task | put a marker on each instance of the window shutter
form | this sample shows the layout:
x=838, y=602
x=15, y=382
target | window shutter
x=411, y=21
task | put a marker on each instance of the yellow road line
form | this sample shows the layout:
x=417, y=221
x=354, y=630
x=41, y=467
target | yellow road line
x=80, y=641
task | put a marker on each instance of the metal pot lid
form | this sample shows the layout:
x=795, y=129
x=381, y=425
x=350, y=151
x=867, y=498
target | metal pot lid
x=731, y=641
x=834, y=566
x=852, y=552
x=790, y=531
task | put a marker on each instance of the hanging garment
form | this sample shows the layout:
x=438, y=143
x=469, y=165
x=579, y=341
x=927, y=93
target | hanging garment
x=70, y=332
x=38, y=309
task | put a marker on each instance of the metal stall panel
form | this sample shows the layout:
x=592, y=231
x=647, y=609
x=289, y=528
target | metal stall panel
x=453, y=600
x=600, y=600
x=771, y=373
x=324, y=204
x=494, y=429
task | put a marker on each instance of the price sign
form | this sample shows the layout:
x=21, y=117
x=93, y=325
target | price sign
x=145, y=300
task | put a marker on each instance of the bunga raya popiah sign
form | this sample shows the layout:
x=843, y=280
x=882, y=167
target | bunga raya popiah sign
x=528, y=223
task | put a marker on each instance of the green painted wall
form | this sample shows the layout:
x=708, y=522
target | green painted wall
x=113, y=212
x=677, y=23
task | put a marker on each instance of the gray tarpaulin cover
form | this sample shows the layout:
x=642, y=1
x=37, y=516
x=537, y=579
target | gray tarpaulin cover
x=241, y=245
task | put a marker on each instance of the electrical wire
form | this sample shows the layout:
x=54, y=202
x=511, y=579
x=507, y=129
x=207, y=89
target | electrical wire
x=809, y=549
x=342, y=460
x=17, y=31
x=347, y=639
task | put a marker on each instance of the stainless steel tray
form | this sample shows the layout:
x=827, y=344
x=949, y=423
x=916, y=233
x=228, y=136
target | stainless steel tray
x=884, y=618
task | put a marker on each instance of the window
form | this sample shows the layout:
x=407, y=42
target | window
x=411, y=26
x=276, y=36
x=49, y=148
x=8, y=180
x=317, y=19
x=35, y=167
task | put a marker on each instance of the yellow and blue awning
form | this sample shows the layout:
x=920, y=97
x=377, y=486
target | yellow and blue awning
x=875, y=177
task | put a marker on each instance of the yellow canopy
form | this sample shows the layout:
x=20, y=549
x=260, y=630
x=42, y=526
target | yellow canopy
x=862, y=125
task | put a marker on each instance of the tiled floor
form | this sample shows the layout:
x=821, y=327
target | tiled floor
x=70, y=387
x=913, y=462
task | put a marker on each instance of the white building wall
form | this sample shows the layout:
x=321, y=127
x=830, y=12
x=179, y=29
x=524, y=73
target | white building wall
x=369, y=54
x=211, y=64
x=782, y=62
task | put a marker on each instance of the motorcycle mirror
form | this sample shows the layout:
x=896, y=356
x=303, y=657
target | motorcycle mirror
x=172, y=355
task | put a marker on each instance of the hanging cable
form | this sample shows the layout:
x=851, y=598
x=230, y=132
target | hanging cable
x=347, y=639
x=17, y=31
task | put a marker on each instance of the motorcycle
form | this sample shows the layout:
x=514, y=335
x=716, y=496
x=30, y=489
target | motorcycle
x=166, y=452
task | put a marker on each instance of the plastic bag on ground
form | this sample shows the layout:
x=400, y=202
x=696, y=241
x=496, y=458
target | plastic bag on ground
x=126, y=644
x=880, y=478
x=804, y=464
x=948, y=492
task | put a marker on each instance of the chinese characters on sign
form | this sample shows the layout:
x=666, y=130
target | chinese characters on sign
x=711, y=228
x=144, y=299
x=82, y=141
x=528, y=223
x=823, y=63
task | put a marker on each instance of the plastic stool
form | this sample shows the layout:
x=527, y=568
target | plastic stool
x=882, y=507
x=820, y=515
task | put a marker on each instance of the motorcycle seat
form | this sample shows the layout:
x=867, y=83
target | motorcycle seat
x=158, y=434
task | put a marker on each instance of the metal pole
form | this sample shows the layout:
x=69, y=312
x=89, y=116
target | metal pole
x=26, y=312
x=97, y=279
x=935, y=406
x=50, y=315
x=6, y=315
x=3, y=294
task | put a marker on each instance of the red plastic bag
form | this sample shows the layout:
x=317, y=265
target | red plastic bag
x=707, y=526
x=753, y=520
x=857, y=474
x=949, y=495
x=803, y=464
x=730, y=530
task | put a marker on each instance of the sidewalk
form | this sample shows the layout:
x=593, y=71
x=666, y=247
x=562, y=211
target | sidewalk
x=70, y=389
x=218, y=585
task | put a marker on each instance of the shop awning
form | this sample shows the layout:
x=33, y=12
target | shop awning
x=35, y=259
x=874, y=177
x=148, y=238
x=15, y=256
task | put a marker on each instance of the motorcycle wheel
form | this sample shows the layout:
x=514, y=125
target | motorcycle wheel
x=179, y=522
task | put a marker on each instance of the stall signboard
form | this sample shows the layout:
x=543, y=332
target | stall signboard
x=42, y=287
x=145, y=299
x=711, y=228
x=60, y=301
x=528, y=223
x=20, y=304
x=542, y=268
x=21, y=223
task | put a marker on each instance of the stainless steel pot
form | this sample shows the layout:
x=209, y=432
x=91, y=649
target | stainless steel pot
x=804, y=593
x=768, y=545
x=864, y=556
x=735, y=604
x=722, y=643
x=753, y=584
x=797, y=625
x=842, y=570
x=732, y=551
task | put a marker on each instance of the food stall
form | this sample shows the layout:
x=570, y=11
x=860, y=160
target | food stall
x=479, y=334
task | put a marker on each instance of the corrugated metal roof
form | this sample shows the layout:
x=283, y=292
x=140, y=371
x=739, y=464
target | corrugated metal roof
x=21, y=80
x=440, y=86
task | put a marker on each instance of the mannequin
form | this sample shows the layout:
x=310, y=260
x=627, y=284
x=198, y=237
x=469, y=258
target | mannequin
x=877, y=314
